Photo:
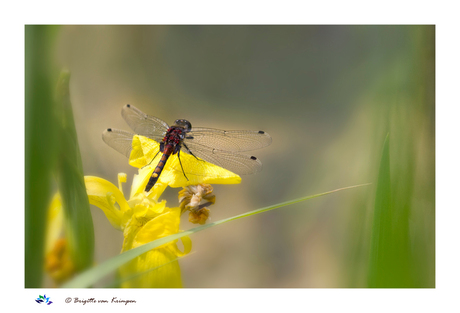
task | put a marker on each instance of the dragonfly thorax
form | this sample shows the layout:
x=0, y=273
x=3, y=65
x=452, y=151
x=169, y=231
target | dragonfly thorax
x=174, y=135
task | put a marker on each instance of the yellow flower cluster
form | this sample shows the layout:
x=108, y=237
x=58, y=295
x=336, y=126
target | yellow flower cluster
x=143, y=218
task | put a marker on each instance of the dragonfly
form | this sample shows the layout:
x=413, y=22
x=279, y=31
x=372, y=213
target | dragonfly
x=220, y=147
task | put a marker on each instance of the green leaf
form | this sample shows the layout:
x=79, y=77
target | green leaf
x=40, y=145
x=79, y=229
x=389, y=257
x=92, y=275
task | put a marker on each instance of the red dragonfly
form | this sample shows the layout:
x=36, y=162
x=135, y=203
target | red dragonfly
x=220, y=147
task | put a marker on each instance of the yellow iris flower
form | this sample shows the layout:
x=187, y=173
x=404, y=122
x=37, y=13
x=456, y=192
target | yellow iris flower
x=143, y=218
x=58, y=262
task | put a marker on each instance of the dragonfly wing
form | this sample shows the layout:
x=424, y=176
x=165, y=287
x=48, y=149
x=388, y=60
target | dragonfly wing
x=143, y=124
x=232, y=140
x=120, y=140
x=235, y=162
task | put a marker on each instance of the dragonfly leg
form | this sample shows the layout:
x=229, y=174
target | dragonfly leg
x=178, y=156
x=152, y=159
x=189, y=150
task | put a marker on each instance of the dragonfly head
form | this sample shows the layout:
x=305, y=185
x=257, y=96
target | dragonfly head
x=186, y=125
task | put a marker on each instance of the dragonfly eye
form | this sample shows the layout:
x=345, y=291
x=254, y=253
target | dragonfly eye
x=184, y=124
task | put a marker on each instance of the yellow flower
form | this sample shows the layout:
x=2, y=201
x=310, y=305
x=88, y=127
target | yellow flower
x=142, y=219
x=58, y=262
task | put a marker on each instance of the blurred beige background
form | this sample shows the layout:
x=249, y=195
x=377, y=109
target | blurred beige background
x=326, y=94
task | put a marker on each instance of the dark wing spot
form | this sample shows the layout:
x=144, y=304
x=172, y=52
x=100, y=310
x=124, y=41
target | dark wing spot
x=109, y=129
x=253, y=158
x=261, y=132
x=189, y=137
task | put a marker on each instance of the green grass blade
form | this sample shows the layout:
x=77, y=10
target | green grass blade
x=92, y=275
x=389, y=256
x=382, y=220
x=40, y=145
x=79, y=229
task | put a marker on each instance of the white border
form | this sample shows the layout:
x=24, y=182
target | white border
x=440, y=13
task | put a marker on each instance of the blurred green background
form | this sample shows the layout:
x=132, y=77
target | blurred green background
x=328, y=96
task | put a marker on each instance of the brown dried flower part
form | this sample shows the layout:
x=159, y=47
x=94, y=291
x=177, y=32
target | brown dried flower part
x=199, y=217
x=190, y=199
x=58, y=263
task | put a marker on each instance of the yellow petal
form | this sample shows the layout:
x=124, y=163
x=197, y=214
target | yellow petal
x=143, y=152
x=205, y=173
x=161, y=226
x=121, y=180
x=144, y=206
x=157, y=268
x=104, y=194
x=186, y=242
x=55, y=222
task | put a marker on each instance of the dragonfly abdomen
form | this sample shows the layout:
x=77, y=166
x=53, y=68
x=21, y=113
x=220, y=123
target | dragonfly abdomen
x=158, y=169
x=168, y=150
